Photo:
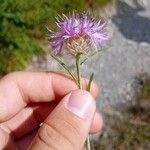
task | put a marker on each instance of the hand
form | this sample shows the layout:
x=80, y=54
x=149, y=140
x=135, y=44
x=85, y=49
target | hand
x=28, y=103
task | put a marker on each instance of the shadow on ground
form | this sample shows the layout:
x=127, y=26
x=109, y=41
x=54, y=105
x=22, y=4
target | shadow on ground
x=130, y=23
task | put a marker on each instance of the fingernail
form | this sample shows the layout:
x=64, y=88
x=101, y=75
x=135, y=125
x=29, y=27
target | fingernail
x=81, y=103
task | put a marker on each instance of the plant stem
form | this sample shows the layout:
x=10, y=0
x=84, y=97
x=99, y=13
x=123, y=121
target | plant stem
x=88, y=145
x=93, y=54
x=90, y=82
x=78, y=70
x=78, y=64
x=64, y=66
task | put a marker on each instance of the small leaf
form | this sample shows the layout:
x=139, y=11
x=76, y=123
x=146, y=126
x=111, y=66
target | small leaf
x=90, y=81
x=93, y=54
x=64, y=66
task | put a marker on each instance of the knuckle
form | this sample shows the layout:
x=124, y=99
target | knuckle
x=73, y=128
x=54, y=138
x=3, y=113
x=44, y=137
x=68, y=130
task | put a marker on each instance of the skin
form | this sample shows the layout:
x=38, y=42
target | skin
x=27, y=99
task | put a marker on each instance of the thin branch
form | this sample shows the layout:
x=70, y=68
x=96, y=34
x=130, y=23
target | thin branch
x=90, y=82
x=64, y=66
x=78, y=70
x=93, y=54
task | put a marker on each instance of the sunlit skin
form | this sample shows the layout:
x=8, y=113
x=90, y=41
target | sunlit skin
x=27, y=98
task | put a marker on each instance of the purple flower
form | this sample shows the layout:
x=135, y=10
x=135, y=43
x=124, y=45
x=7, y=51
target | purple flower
x=75, y=27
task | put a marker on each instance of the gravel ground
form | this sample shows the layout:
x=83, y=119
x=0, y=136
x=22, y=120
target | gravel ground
x=128, y=55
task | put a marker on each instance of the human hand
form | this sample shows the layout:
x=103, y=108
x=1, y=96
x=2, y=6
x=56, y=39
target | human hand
x=28, y=99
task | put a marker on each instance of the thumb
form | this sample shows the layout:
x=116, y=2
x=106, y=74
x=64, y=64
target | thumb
x=67, y=127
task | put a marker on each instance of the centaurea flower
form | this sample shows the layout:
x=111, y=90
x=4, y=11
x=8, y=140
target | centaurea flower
x=78, y=34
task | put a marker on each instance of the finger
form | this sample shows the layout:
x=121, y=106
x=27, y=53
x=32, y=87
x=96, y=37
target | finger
x=5, y=140
x=97, y=123
x=68, y=125
x=31, y=117
x=20, y=88
x=28, y=119
x=25, y=141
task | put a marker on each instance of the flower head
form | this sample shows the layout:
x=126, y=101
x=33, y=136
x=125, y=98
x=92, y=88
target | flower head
x=78, y=33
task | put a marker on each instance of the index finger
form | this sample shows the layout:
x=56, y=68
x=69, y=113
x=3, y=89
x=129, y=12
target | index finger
x=21, y=88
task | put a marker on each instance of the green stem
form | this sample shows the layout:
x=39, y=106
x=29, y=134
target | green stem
x=88, y=145
x=93, y=54
x=78, y=64
x=64, y=66
x=90, y=82
x=78, y=70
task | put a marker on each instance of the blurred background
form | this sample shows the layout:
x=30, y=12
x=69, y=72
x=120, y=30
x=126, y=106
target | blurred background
x=23, y=28
x=122, y=71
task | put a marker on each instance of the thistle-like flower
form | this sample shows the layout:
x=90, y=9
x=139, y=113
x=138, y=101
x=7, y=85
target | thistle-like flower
x=78, y=34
